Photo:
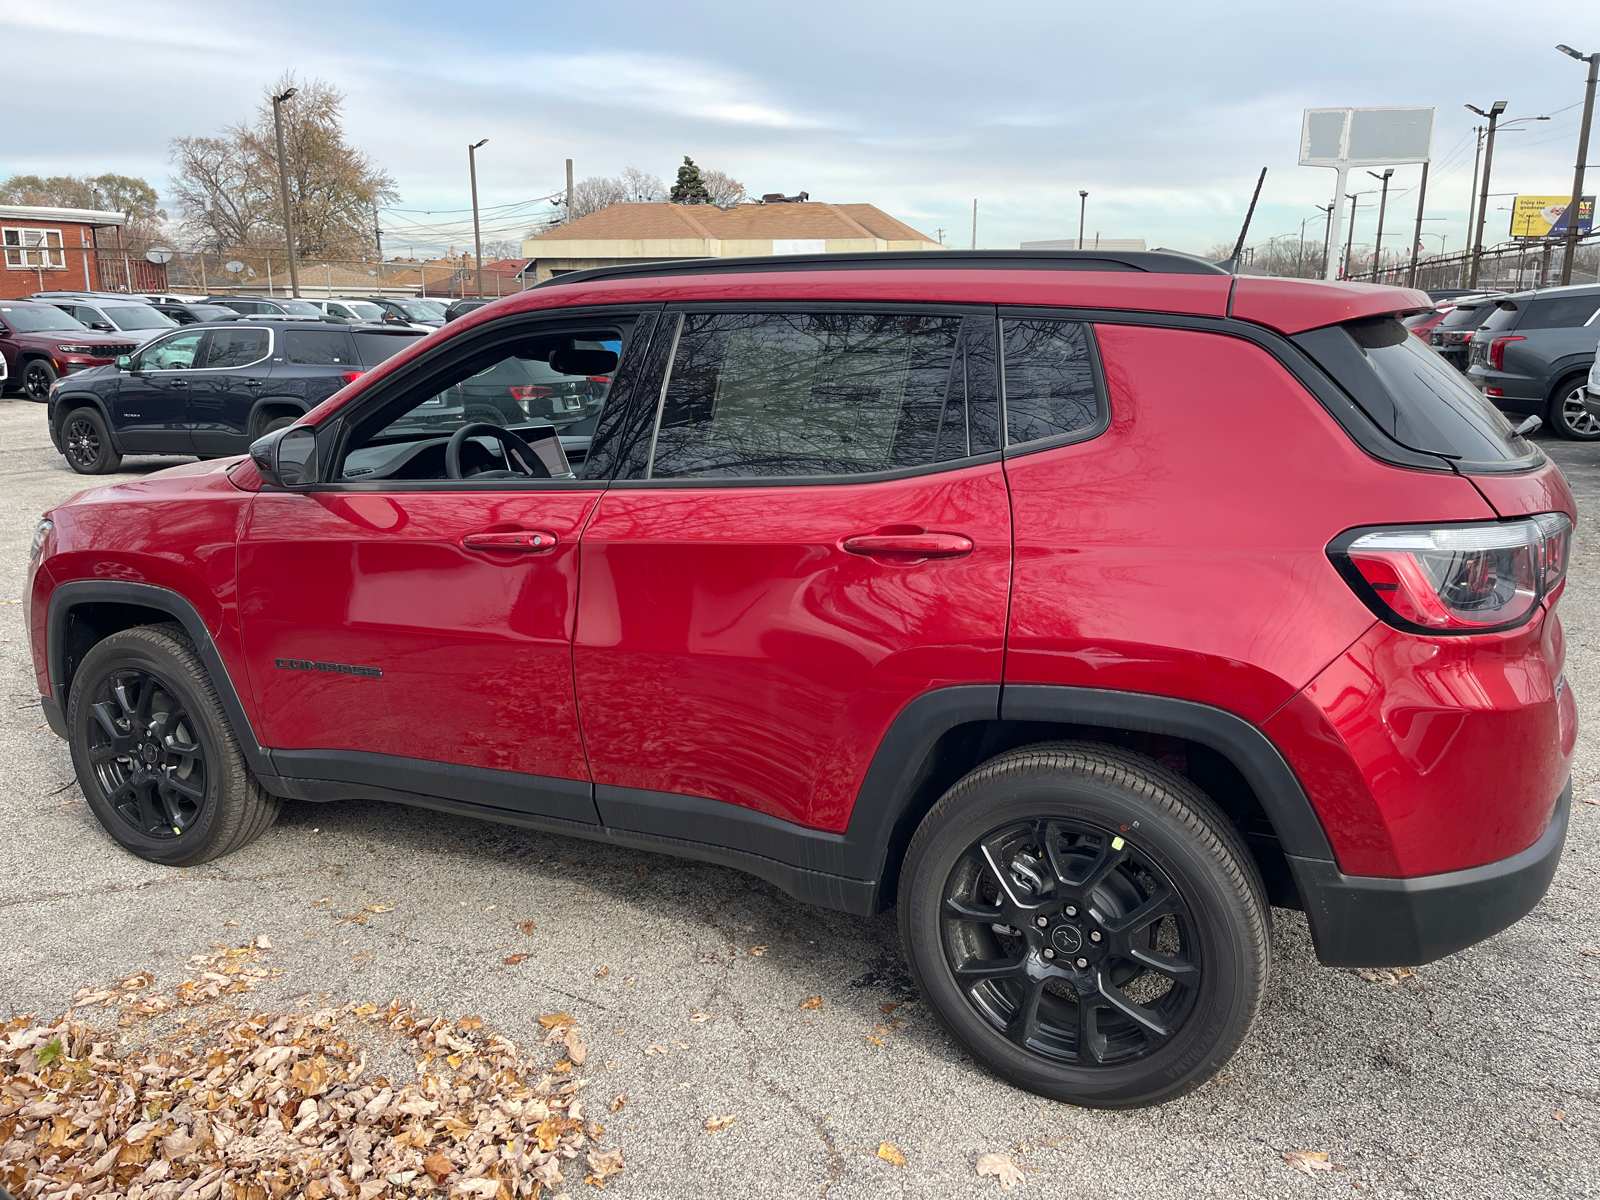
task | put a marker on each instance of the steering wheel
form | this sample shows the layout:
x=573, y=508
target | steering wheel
x=517, y=451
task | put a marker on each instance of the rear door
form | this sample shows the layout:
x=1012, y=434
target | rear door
x=813, y=533
x=232, y=377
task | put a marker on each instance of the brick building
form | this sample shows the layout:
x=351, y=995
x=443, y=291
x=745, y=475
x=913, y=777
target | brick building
x=69, y=250
x=654, y=232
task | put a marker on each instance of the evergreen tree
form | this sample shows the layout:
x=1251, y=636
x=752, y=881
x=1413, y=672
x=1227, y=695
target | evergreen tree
x=690, y=188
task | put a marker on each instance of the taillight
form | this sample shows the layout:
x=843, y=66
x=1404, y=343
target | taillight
x=351, y=376
x=1497, y=350
x=1456, y=579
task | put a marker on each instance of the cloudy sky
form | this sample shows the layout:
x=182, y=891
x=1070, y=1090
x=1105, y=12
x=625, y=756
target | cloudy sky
x=1163, y=112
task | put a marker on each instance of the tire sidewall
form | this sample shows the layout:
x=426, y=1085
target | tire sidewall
x=125, y=652
x=1558, y=417
x=90, y=416
x=37, y=366
x=1226, y=994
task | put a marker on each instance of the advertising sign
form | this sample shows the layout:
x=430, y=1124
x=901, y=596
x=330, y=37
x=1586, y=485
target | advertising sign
x=1365, y=137
x=1546, y=216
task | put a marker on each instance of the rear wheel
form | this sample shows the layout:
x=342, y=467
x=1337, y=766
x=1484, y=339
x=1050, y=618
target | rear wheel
x=155, y=755
x=273, y=424
x=86, y=443
x=1568, y=415
x=37, y=376
x=1087, y=924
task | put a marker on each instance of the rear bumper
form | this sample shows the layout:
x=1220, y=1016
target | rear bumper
x=1366, y=921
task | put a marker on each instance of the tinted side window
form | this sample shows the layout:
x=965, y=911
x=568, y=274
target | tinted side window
x=1501, y=318
x=1560, y=312
x=1463, y=317
x=172, y=353
x=784, y=394
x=373, y=348
x=1049, y=379
x=236, y=347
x=318, y=347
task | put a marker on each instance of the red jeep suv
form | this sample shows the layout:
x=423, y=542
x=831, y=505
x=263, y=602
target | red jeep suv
x=1085, y=605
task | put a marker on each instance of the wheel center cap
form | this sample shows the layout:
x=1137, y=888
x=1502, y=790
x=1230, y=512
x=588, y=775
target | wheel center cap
x=148, y=752
x=1067, y=939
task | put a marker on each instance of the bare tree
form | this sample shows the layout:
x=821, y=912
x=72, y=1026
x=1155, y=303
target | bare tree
x=227, y=186
x=641, y=187
x=725, y=190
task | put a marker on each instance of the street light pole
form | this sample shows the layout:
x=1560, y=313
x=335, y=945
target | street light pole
x=1327, y=235
x=1083, y=203
x=1495, y=109
x=477, y=238
x=1383, y=205
x=1416, y=239
x=283, y=184
x=1355, y=202
x=1583, y=157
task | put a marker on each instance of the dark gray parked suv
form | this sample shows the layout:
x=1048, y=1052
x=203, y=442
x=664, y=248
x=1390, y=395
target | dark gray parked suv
x=1533, y=353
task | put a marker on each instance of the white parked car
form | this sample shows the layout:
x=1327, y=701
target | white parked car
x=134, y=318
x=1592, y=400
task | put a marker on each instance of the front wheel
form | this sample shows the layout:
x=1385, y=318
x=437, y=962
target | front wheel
x=155, y=755
x=86, y=443
x=37, y=376
x=1569, y=417
x=1087, y=924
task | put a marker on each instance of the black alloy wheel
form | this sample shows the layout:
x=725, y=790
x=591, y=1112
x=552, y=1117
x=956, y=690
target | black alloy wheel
x=37, y=376
x=86, y=443
x=1087, y=924
x=147, y=760
x=1071, y=941
x=155, y=754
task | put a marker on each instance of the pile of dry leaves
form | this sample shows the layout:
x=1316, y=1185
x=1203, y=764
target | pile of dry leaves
x=257, y=1105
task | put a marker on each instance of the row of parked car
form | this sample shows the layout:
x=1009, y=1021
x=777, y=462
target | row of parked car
x=1531, y=353
x=36, y=349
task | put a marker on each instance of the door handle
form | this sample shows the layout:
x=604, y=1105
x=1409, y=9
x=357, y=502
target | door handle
x=909, y=545
x=177, y=383
x=526, y=540
x=252, y=383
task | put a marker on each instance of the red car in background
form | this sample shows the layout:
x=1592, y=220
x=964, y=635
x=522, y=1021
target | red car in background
x=1083, y=605
x=1421, y=324
x=41, y=343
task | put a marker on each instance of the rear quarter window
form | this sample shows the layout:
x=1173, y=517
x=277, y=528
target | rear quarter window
x=318, y=347
x=374, y=348
x=1559, y=312
x=1502, y=317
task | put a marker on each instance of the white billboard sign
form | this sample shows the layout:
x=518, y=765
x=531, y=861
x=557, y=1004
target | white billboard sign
x=1343, y=138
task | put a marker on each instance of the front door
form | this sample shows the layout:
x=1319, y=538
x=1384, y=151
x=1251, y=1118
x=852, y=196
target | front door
x=151, y=411
x=232, y=377
x=819, y=535
x=409, y=624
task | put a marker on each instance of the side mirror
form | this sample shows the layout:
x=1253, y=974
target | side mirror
x=103, y=326
x=124, y=362
x=287, y=457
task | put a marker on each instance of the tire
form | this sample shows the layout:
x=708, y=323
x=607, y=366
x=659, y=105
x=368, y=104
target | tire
x=1567, y=414
x=180, y=793
x=37, y=376
x=273, y=424
x=86, y=443
x=1062, y=1011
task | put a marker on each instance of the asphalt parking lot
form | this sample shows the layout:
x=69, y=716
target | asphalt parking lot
x=1478, y=1076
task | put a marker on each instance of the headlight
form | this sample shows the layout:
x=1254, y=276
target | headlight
x=77, y=349
x=40, y=532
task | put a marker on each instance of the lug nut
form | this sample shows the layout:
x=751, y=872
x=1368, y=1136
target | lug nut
x=1083, y=962
x=1049, y=953
x=1094, y=937
x=1072, y=910
x=1041, y=922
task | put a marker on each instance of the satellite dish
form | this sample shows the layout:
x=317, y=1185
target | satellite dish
x=158, y=254
x=233, y=265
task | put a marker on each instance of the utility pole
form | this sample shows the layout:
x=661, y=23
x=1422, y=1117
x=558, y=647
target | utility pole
x=1573, y=209
x=569, y=189
x=1083, y=202
x=974, y=224
x=1327, y=234
x=1495, y=109
x=1383, y=204
x=939, y=233
x=1416, y=238
x=1350, y=242
x=283, y=184
x=477, y=238
x=1472, y=201
x=377, y=237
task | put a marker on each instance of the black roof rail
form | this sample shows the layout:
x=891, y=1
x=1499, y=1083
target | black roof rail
x=1157, y=262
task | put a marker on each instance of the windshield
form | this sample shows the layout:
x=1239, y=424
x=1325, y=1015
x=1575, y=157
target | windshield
x=364, y=310
x=28, y=319
x=1413, y=321
x=300, y=308
x=1466, y=317
x=418, y=310
x=212, y=312
x=138, y=316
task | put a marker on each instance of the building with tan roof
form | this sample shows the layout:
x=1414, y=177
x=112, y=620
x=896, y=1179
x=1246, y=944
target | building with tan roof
x=659, y=232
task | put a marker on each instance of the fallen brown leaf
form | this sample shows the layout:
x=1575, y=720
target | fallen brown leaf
x=1561, y=1115
x=757, y=951
x=814, y=1003
x=527, y=927
x=641, y=872
x=1590, y=951
x=715, y=1123
x=618, y=1101
x=1308, y=1161
x=512, y=960
x=437, y=1166
x=557, y=1020
x=602, y=972
x=888, y=1006
x=1002, y=1168
x=890, y=1153
x=468, y=1024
